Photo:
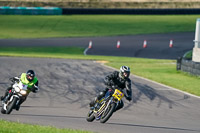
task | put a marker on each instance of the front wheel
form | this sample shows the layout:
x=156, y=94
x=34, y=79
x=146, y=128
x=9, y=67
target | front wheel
x=90, y=116
x=108, y=113
x=11, y=105
x=3, y=111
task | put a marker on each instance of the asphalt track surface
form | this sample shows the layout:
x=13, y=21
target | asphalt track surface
x=132, y=46
x=67, y=86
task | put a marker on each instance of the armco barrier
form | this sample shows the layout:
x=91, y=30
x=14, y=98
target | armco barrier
x=67, y=11
x=30, y=10
x=190, y=67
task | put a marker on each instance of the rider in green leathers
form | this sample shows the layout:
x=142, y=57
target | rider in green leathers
x=27, y=78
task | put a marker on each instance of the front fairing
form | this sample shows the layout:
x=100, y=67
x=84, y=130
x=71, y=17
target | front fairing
x=20, y=89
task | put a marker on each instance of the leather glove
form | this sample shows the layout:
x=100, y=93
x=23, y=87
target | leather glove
x=35, y=89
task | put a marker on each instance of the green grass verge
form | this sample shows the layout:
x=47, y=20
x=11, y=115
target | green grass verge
x=15, y=127
x=92, y=25
x=162, y=71
x=42, y=50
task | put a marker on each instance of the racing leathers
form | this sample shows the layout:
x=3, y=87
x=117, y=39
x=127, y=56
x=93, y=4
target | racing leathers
x=32, y=87
x=113, y=81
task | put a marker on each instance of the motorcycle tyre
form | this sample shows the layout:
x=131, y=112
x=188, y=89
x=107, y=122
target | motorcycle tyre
x=90, y=117
x=11, y=106
x=3, y=111
x=109, y=114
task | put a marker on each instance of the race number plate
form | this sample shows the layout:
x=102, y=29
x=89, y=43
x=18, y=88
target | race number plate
x=118, y=94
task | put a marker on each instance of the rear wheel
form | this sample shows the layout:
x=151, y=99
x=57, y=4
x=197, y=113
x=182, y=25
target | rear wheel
x=90, y=116
x=108, y=113
x=11, y=105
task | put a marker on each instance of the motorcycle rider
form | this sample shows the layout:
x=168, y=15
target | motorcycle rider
x=117, y=80
x=27, y=78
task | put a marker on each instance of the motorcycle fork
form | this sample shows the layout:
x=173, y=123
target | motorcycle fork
x=108, y=103
x=11, y=98
x=20, y=101
x=99, y=111
x=103, y=106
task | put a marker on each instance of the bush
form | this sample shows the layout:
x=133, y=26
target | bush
x=188, y=55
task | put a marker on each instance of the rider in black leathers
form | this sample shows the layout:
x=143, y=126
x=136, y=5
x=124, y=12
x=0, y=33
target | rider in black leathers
x=117, y=80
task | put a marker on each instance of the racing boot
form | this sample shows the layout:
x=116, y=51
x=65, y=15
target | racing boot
x=5, y=99
x=97, y=99
x=92, y=103
x=2, y=97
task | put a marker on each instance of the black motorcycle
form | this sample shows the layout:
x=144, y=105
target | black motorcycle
x=104, y=109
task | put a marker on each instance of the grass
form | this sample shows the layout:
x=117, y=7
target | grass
x=15, y=127
x=162, y=71
x=92, y=25
x=43, y=50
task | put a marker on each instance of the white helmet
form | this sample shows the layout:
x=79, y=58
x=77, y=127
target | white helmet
x=124, y=72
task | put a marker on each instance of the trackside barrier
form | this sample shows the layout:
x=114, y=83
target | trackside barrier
x=190, y=67
x=69, y=11
x=30, y=10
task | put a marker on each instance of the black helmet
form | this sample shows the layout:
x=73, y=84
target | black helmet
x=30, y=74
x=124, y=72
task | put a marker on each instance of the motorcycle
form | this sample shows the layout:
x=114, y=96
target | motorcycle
x=18, y=92
x=104, y=109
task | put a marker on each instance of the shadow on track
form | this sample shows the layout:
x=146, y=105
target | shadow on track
x=151, y=93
